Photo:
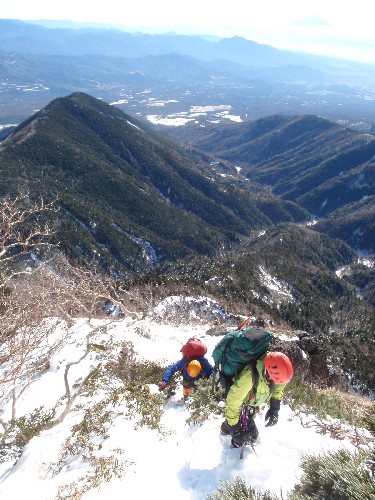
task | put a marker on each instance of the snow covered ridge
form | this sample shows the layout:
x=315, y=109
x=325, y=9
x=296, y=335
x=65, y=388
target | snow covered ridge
x=103, y=447
x=189, y=309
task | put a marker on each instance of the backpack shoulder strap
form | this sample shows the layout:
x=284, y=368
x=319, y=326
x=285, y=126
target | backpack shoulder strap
x=255, y=377
x=188, y=359
x=256, y=380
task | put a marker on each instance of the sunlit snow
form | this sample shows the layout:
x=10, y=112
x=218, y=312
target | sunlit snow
x=187, y=462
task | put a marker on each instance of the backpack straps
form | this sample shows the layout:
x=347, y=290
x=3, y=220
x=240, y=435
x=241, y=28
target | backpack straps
x=255, y=374
x=255, y=378
x=187, y=361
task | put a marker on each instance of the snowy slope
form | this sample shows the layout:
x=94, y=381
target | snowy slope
x=185, y=462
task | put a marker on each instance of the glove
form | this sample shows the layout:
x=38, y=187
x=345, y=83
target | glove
x=272, y=415
x=162, y=385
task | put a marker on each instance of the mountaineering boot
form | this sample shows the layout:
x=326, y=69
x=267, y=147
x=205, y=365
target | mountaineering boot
x=225, y=428
x=252, y=429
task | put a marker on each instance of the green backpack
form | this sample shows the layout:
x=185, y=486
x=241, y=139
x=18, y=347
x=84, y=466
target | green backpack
x=240, y=348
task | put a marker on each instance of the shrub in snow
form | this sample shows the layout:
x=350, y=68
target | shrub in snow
x=327, y=402
x=338, y=475
x=369, y=419
x=237, y=490
x=21, y=430
x=335, y=475
x=204, y=403
x=31, y=425
x=143, y=331
x=103, y=469
x=124, y=366
x=127, y=368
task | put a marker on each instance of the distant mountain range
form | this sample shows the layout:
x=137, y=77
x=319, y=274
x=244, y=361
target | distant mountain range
x=170, y=75
x=26, y=37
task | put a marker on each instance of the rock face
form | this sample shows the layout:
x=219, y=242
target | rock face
x=308, y=358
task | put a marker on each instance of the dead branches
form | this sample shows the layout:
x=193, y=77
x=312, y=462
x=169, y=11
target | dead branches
x=337, y=430
x=40, y=302
x=20, y=228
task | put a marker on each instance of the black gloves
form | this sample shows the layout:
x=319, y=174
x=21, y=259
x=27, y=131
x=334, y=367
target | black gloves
x=272, y=415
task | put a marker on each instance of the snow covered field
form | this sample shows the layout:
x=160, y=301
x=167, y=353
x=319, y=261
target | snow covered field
x=186, y=462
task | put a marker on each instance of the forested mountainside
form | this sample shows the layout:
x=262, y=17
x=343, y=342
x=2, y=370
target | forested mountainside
x=128, y=193
x=326, y=168
x=170, y=218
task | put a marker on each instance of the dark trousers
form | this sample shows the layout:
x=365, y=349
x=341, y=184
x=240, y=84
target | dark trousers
x=187, y=386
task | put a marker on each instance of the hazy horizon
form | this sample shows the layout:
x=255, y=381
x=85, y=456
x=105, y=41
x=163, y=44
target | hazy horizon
x=319, y=27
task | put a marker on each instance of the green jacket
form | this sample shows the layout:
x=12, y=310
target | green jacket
x=241, y=392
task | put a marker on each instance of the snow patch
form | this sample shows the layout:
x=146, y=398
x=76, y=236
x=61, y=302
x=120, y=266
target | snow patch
x=193, y=309
x=282, y=288
x=147, y=250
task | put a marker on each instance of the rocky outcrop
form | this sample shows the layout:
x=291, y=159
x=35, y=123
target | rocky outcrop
x=308, y=358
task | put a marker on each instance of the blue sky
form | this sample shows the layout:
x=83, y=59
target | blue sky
x=331, y=27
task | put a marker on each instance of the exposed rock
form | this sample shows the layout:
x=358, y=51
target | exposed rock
x=192, y=310
x=218, y=330
x=299, y=359
x=309, y=345
x=300, y=333
x=308, y=359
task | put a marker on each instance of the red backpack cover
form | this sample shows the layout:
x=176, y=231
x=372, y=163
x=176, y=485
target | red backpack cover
x=193, y=347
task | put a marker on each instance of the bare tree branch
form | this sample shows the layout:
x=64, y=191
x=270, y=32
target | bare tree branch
x=40, y=304
x=19, y=231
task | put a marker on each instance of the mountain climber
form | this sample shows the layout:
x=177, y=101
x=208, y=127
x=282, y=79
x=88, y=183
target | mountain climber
x=191, y=369
x=263, y=381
